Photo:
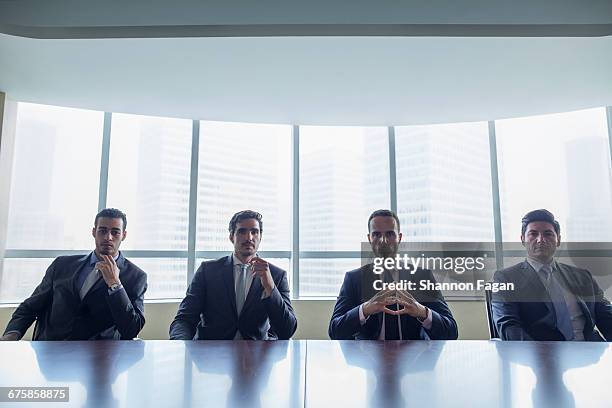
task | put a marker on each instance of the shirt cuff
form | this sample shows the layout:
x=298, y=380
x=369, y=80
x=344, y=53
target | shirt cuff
x=428, y=321
x=362, y=318
x=263, y=293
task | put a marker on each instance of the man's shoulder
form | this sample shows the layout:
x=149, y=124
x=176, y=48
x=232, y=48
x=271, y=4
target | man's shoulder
x=358, y=273
x=214, y=264
x=131, y=266
x=511, y=271
x=65, y=260
x=581, y=274
x=275, y=270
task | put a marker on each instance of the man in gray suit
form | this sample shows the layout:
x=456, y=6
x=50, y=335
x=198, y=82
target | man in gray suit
x=550, y=300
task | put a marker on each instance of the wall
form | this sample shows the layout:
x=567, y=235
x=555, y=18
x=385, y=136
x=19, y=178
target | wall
x=313, y=317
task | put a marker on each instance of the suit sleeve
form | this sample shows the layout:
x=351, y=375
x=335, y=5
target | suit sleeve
x=506, y=314
x=603, y=311
x=184, y=325
x=279, y=309
x=128, y=309
x=443, y=324
x=34, y=306
x=344, y=323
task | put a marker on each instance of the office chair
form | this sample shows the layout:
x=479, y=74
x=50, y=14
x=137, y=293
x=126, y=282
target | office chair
x=493, y=334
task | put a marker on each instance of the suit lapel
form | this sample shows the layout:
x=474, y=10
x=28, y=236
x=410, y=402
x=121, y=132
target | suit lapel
x=538, y=290
x=79, y=264
x=574, y=288
x=254, y=293
x=227, y=275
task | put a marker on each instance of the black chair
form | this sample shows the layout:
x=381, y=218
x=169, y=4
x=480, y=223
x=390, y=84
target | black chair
x=492, y=328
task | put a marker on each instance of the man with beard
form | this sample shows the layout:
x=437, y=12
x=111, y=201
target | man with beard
x=551, y=300
x=389, y=314
x=239, y=296
x=98, y=296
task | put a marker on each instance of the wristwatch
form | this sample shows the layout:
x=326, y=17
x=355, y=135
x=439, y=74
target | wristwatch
x=114, y=287
x=422, y=319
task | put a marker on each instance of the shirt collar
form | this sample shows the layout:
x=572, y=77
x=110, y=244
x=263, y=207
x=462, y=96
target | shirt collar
x=93, y=259
x=238, y=261
x=538, y=265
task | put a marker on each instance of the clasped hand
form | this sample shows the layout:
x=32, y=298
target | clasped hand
x=408, y=304
x=109, y=270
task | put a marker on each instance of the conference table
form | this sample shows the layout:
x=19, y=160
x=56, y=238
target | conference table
x=312, y=373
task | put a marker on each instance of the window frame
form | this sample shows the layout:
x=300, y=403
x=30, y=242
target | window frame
x=294, y=255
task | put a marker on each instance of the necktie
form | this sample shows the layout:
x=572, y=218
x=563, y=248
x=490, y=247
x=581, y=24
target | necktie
x=90, y=280
x=391, y=322
x=564, y=322
x=241, y=287
x=391, y=325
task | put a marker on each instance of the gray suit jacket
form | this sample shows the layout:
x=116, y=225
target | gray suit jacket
x=527, y=313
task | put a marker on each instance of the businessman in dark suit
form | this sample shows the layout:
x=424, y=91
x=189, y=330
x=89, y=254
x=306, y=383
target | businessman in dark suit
x=98, y=296
x=550, y=300
x=389, y=314
x=240, y=296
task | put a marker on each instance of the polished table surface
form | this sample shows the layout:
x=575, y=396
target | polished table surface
x=314, y=373
x=160, y=373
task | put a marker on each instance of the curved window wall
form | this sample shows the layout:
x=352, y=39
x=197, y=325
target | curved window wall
x=179, y=181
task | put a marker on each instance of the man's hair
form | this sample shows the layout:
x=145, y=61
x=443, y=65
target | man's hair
x=244, y=215
x=111, y=213
x=539, y=215
x=384, y=213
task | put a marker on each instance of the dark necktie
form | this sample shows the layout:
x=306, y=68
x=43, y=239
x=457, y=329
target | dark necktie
x=391, y=322
x=392, y=325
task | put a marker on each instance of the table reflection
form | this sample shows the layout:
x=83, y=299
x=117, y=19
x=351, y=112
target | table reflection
x=548, y=361
x=248, y=364
x=96, y=365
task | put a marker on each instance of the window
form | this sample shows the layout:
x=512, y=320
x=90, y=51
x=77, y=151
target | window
x=444, y=183
x=54, y=191
x=344, y=176
x=559, y=162
x=243, y=166
x=55, y=179
x=149, y=179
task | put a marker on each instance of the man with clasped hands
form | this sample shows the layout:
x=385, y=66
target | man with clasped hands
x=389, y=314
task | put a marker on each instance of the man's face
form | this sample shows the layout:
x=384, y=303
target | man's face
x=540, y=240
x=246, y=238
x=384, y=236
x=108, y=234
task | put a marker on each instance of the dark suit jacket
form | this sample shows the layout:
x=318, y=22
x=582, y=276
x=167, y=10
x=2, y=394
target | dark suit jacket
x=345, y=325
x=210, y=304
x=527, y=313
x=60, y=313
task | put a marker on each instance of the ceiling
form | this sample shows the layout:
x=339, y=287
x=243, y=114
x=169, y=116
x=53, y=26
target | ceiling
x=312, y=77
